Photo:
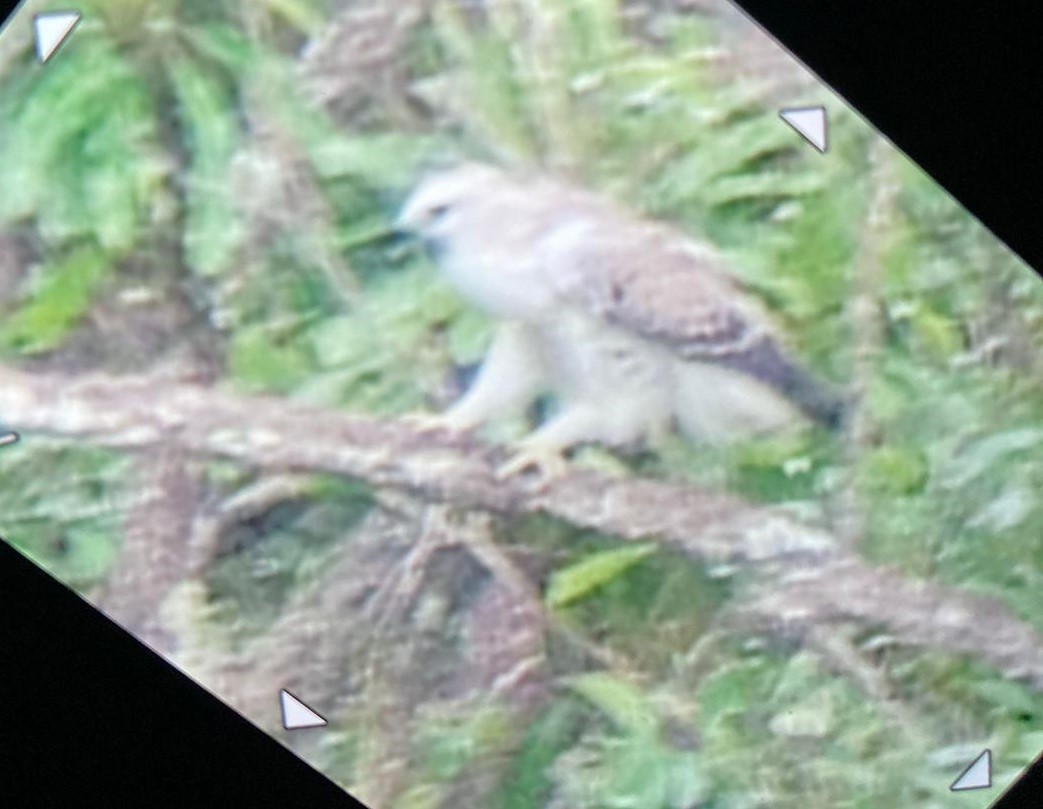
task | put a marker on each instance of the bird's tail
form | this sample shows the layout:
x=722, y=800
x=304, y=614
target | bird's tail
x=822, y=403
x=819, y=401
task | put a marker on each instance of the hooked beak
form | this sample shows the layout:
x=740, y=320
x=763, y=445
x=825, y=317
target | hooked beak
x=406, y=222
x=403, y=232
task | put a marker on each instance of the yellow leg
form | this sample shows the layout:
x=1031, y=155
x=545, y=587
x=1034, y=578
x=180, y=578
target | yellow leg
x=548, y=461
x=544, y=450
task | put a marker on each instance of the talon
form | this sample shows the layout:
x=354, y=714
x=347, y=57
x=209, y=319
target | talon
x=549, y=463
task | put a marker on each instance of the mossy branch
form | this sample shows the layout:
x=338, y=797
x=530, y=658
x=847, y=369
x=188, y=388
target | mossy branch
x=805, y=577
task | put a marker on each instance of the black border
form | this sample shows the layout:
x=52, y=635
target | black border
x=91, y=717
x=88, y=712
x=1026, y=792
x=956, y=86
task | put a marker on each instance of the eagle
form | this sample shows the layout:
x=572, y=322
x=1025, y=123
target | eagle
x=632, y=326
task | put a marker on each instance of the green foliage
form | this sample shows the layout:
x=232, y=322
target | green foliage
x=66, y=511
x=619, y=701
x=264, y=562
x=89, y=179
x=93, y=171
x=453, y=742
x=895, y=471
x=394, y=346
x=529, y=780
x=635, y=764
x=260, y=362
x=61, y=295
x=125, y=160
x=634, y=772
x=212, y=226
x=594, y=570
x=579, y=92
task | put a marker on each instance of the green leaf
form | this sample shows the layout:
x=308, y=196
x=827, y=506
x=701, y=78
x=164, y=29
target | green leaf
x=896, y=470
x=90, y=553
x=576, y=581
x=939, y=334
x=639, y=776
x=386, y=160
x=421, y=796
x=546, y=739
x=991, y=450
x=763, y=185
x=89, y=84
x=263, y=364
x=813, y=717
x=303, y=15
x=63, y=296
x=336, y=340
x=1007, y=695
x=620, y=701
x=689, y=783
x=1029, y=745
x=741, y=145
x=213, y=229
x=111, y=187
x=732, y=690
x=223, y=43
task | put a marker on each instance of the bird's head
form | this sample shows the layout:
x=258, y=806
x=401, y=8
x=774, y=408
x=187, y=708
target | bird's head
x=439, y=205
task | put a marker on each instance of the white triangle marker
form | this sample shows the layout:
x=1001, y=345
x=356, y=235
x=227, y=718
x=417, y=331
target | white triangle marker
x=811, y=122
x=52, y=30
x=976, y=776
x=295, y=714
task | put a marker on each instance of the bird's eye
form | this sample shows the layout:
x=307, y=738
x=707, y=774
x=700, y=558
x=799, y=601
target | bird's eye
x=438, y=211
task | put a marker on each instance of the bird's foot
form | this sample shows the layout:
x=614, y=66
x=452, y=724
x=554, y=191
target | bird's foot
x=548, y=462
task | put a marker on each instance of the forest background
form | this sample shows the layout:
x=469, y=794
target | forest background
x=209, y=335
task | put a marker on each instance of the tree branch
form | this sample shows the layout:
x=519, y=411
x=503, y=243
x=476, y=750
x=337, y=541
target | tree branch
x=806, y=578
x=139, y=412
x=918, y=613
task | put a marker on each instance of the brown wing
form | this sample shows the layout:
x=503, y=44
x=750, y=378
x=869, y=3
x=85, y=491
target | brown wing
x=647, y=280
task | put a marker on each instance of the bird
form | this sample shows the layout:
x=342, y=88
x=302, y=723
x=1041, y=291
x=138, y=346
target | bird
x=633, y=326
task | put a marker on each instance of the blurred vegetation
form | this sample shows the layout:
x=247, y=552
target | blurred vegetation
x=170, y=160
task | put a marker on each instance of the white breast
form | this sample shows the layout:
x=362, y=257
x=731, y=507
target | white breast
x=627, y=379
x=502, y=286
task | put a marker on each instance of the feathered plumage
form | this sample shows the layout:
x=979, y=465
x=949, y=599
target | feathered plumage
x=632, y=324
